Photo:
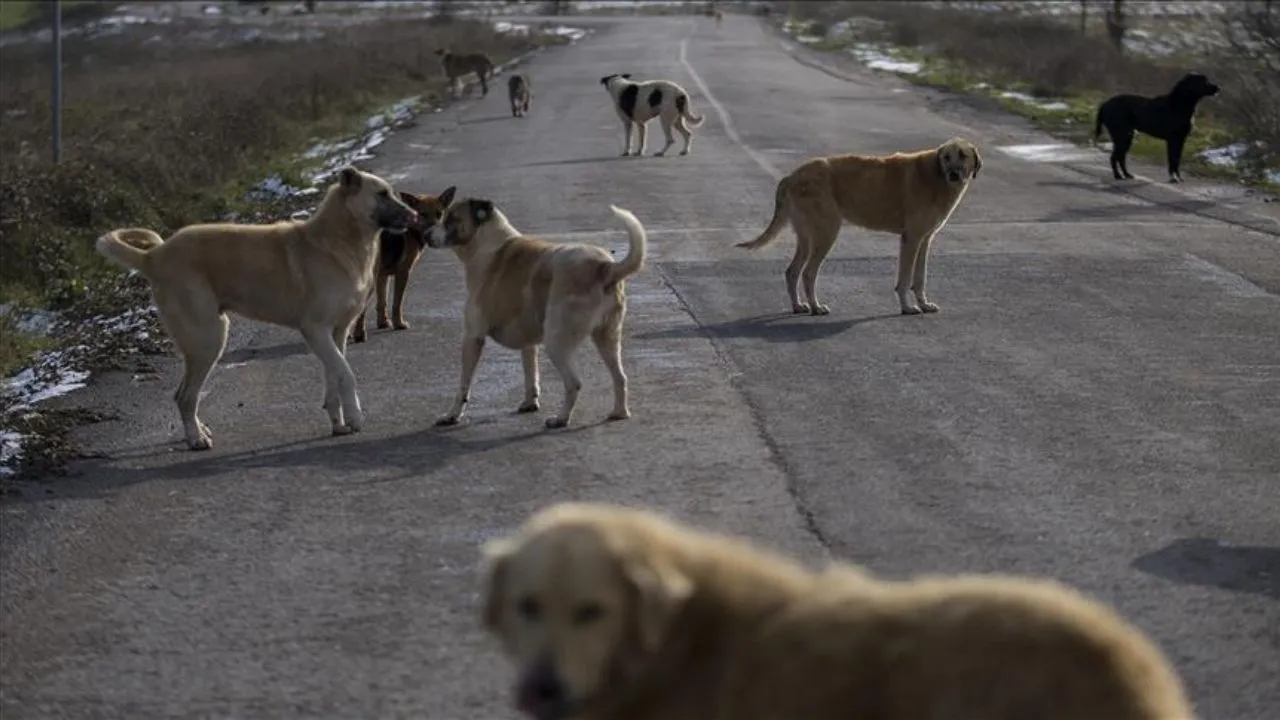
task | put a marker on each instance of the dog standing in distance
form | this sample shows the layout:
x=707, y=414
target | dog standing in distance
x=519, y=93
x=911, y=195
x=613, y=612
x=398, y=253
x=638, y=103
x=313, y=275
x=525, y=291
x=456, y=66
x=1164, y=117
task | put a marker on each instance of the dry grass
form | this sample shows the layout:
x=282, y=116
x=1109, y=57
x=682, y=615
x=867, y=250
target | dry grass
x=1052, y=58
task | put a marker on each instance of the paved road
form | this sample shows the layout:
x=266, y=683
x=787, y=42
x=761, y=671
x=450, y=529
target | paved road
x=1097, y=402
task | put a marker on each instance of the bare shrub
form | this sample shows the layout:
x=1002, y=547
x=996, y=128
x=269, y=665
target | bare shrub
x=1250, y=67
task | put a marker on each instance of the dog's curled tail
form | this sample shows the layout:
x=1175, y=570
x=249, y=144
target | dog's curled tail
x=779, y=218
x=634, y=260
x=128, y=247
x=682, y=104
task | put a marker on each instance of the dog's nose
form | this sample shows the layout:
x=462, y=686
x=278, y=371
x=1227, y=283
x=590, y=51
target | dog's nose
x=541, y=693
x=413, y=217
x=953, y=176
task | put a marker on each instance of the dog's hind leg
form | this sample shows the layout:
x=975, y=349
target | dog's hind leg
x=397, y=306
x=684, y=132
x=642, y=136
x=798, y=261
x=472, y=348
x=201, y=340
x=565, y=332
x=1120, y=145
x=380, y=282
x=821, y=231
x=910, y=245
x=608, y=341
x=666, y=130
x=920, y=275
x=341, y=401
x=529, y=359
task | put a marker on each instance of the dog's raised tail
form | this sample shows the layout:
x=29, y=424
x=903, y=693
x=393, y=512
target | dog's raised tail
x=638, y=244
x=128, y=247
x=682, y=104
x=776, y=223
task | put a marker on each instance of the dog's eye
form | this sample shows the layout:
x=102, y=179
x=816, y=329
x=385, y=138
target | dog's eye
x=528, y=608
x=587, y=613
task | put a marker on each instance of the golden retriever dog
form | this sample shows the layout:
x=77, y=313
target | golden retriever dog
x=519, y=93
x=524, y=291
x=610, y=613
x=639, y=102
x=398, y=254
x=456, y=66
x=312, y=275
x=909, y=194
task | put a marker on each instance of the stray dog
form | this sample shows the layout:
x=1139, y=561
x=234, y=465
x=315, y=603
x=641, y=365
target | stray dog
x=612, y=612
x=519, y=93
x=1164, y=117
x=398, y=253
x=909, y=194
x=456, y=66
x=524, y=291
x=312, y=275
x=638, y=103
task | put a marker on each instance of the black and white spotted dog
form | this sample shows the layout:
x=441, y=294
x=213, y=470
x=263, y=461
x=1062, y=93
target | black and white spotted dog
x=639, y=102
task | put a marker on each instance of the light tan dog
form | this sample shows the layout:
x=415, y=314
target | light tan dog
x=611, y=613
x=313, y=276
x=456, y=65
x=911, y=195
x=524, y=291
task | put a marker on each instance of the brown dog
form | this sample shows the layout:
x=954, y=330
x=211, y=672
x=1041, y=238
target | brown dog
x=611, y=613
x=519, y=93
x=455, y=66
x=313, y=275
x=911, y=195
x=398, y=253
x=525, y=291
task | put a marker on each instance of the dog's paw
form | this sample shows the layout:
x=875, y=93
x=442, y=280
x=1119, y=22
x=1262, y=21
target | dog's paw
x=1128, y=176
x=929, y=307
x=528, y=406
x=911, y=310
x=820, y=309
x=626, y=153
x=800, y=308
x=383, y=323
x=556, y=423
x=401, y=325
x=684, y=152
x=204, y=443
x=448, y=421
x=619, y=415
x=344, y=429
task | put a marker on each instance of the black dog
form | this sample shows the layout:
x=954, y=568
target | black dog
x=1166, y=117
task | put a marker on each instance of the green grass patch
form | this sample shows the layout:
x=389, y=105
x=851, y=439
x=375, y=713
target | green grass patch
x=19, y=14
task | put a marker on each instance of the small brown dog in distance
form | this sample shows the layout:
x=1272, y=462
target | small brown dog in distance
x=456, y=66
x=519, y=93
x=609, y=613
x=911, y=195
x=524, y=292
x=312, y=275
x=398, y=253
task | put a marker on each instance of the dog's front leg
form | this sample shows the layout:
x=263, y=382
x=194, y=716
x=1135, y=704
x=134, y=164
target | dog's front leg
x=1173, y=151
x=340, y=396
x=472, y=347
x=642, y=135
x=626, y=137
x=908, y=251
x=920, y=276
x=529, y=358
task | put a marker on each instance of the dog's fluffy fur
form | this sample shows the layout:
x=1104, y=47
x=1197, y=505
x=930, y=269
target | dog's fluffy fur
x=609, y=612
x=1164, y=117
x=312, y=275
x=909, y=194
x=639, y=102
x=519, y=93
x=524, y=291
x=457, y=65
x=398, y=253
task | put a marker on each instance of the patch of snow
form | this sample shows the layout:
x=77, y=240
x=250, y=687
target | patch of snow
x=573, y=33
x=507, y=28
x=876, y=59
x=809, y=39
x=10, y=451
x=1053, y=105
x=1227, y=156
x=1049, y=152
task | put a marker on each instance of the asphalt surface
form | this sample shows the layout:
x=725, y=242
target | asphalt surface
x=1098, y=401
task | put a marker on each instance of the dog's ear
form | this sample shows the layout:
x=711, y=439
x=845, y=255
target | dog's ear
x=481, y=211
x=605, y=80
x=937, y=155
x=660, y=592
x=495, y=556
x=446, y=197
x=349, y=178
x=626, y=76
x=409, y=199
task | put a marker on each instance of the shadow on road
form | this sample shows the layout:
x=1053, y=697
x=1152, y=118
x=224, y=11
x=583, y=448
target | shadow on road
x=492, y=118
x=581, y=161
x=272, y=352
x=1207, y=562
x=770, y=328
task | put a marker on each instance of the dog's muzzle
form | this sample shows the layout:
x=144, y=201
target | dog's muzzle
x=438, y=237
x=399, y=222
x=541, y=695
x=953, y=176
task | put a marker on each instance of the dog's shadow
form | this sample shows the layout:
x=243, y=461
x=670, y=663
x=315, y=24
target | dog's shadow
x=1209, y=563
x=774, y=328
x=272, y=352
x=492, y=118
x=584, y=161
